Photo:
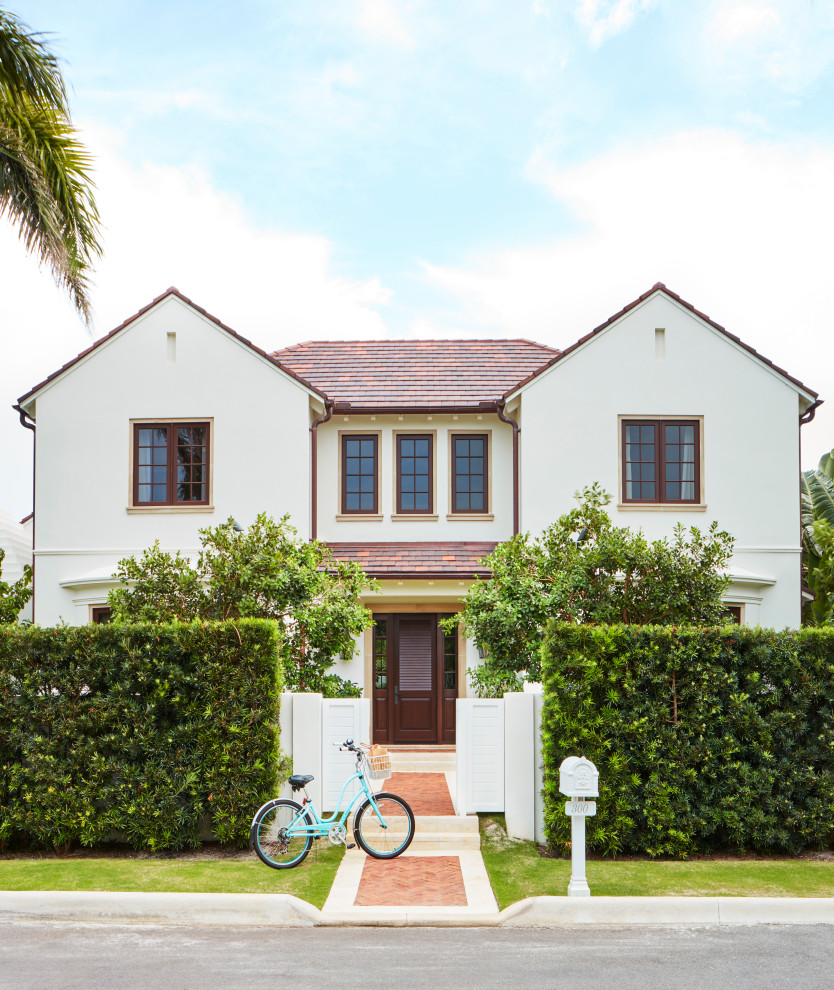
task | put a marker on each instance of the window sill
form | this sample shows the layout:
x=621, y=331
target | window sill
x=413, y=517
x=470, y=517
x=135, y=510
x=661, y=507
x=358, y=517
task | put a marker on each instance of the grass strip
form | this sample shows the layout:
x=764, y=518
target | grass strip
x=516, y=870
x=311, y=881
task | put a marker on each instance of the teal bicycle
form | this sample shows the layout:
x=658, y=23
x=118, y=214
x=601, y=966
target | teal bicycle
x=282, y=830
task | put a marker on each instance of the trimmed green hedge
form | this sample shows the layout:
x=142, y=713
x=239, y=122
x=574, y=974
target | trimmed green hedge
x=145, y=734
x=704, y=738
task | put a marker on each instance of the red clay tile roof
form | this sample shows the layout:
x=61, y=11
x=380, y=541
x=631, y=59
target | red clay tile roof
x=660, y=287
x=172, y=291
x=415, y=374
x=423, y=560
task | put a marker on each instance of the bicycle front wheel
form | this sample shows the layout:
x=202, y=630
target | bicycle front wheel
x=269, y=837
x=388, y=833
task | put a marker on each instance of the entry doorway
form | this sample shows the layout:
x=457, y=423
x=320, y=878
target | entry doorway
x=415, y=679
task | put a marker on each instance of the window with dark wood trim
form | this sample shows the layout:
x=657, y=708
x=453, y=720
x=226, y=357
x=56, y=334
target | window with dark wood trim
x=661, y=461
x=732, y=613
x=170, y=463
x=359, y=473
x=415, y=475
x=469, y=472
x=102, y=614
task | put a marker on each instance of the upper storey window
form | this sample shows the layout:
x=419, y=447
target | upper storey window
x=359, y=473
x=415, y=482
x=469, y=472
x=661, y=461
x=170, y=463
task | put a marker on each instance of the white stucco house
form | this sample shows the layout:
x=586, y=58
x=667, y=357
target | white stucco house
x=414, y=458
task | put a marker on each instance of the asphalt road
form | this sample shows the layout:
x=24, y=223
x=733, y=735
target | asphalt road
x=47, y=955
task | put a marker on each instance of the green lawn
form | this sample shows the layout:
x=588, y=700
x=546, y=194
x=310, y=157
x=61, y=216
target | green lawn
x=229, y=875
x=517, y=871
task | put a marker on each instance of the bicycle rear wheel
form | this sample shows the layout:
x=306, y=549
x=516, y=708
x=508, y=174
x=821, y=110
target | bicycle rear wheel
x=387, y=834
x=268, y=834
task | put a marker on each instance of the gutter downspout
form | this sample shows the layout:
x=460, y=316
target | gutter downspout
x=499, y=408
x=31, y=426
x=314, y=449
x=804, y=418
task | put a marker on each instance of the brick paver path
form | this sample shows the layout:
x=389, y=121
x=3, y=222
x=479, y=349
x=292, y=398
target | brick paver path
x=412, y=881
x=427, y=793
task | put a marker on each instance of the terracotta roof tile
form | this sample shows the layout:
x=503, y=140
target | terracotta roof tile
x=396, y=560
x=415, y=374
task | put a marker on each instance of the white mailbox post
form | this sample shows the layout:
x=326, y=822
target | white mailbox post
x=579, y=780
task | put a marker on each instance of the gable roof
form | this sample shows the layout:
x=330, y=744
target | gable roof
x=172, y=291
x=660, y=287
x=415, y=374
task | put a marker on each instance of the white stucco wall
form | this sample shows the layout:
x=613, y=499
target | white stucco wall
x=570, y=438
x=335, y=527
x=260, y=458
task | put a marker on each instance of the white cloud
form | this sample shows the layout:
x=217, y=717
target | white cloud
x=731, y=24
x=381, y=20
x=740, y=229
x=787, y=43
x=168, y=226
x=605, y=18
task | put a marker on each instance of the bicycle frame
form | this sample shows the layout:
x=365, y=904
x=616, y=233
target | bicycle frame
x=321, y=826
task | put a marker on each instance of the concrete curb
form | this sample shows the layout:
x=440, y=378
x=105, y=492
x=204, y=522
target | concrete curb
x=281, y=910
x=615, y=911
x=285, y=911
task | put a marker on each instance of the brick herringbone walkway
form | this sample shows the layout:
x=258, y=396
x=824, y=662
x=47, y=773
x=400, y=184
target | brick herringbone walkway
x=411, y=881
x=427, y=793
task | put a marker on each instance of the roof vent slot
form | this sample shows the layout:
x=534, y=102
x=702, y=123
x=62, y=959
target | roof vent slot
x=660, y=344
x=171, y=353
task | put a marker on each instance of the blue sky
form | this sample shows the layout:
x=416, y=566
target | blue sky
x=373, y=168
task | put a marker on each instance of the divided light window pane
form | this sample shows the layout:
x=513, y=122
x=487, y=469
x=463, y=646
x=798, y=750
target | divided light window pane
x=661, y=461
x=469, y=470
x=359, y=472
x=414, y=474
x=171, y=464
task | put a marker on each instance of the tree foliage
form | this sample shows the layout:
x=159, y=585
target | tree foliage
x=266, y=572
x=45, y=182
x=14, y=597
x=584, y=569
x=817, y=514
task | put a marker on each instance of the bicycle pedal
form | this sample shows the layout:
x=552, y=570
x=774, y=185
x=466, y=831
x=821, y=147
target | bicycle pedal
x=350, y=845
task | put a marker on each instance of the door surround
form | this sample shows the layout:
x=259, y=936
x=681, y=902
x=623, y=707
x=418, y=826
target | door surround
x=381, y=677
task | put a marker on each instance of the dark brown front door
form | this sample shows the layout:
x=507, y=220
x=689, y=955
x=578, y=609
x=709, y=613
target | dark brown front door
x=415, y=680
x=415, y=707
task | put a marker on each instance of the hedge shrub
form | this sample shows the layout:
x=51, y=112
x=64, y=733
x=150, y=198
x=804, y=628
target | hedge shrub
x=704, y=738
x=147, y=734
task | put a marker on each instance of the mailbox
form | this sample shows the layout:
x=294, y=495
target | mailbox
x=578, y=777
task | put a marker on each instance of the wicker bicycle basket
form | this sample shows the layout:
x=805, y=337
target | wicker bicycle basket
x=378, y=764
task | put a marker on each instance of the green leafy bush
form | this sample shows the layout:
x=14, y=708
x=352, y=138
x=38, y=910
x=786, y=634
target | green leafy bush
x=704, y=738
x=150, y=734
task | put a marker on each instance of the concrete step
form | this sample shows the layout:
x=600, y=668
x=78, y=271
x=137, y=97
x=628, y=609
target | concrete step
x=423, y=762
x=444, y=833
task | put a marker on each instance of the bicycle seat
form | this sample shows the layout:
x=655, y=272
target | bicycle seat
x=299, y=780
